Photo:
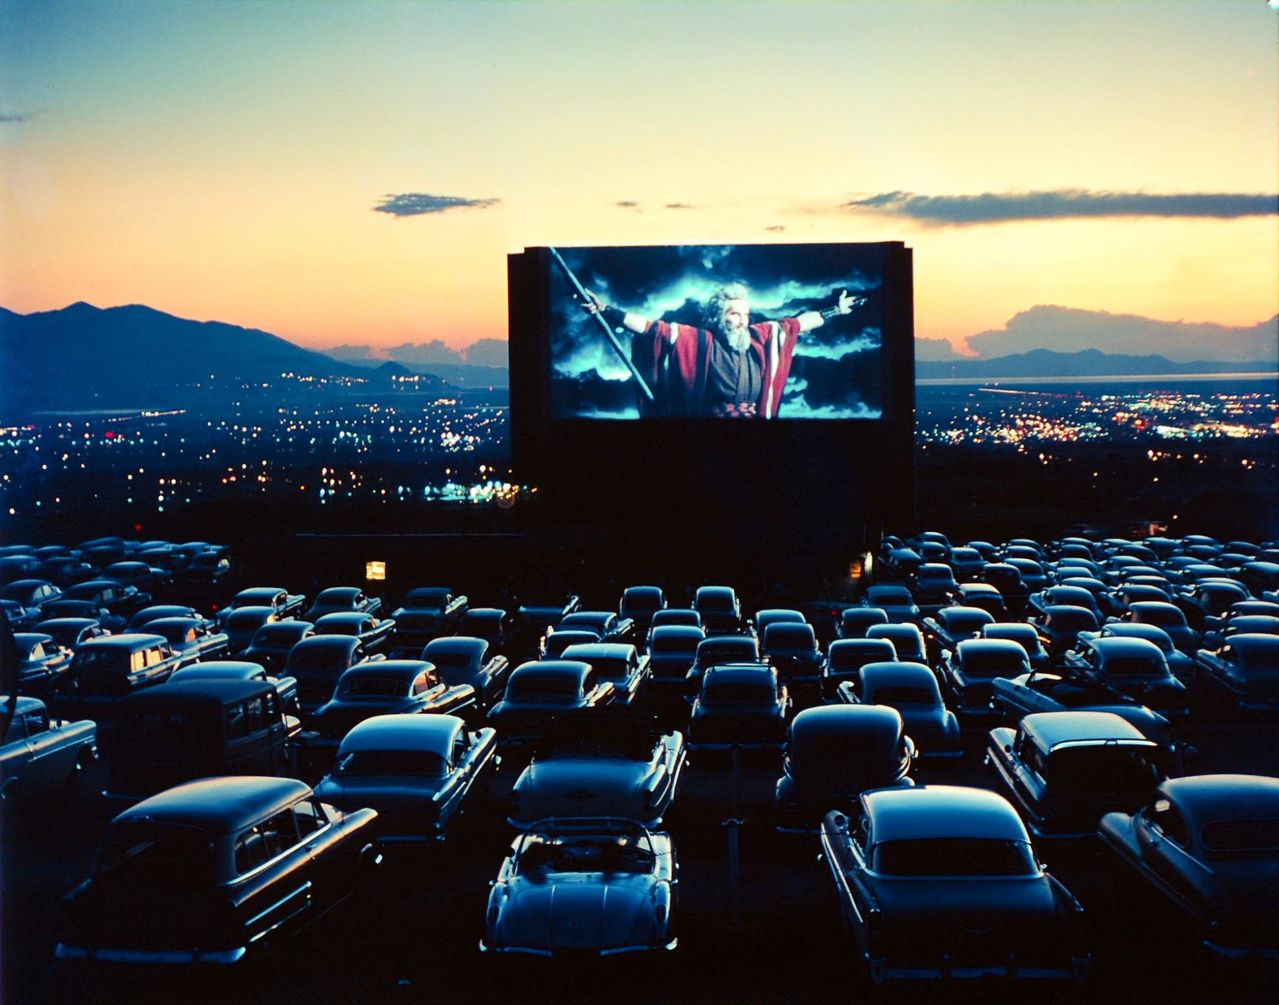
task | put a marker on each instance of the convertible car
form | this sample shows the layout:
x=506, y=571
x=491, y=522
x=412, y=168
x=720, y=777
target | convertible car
x=600, y=765
x=941, y=881
x=578, y=887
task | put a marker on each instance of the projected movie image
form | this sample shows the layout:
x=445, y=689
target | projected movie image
x=731, y=331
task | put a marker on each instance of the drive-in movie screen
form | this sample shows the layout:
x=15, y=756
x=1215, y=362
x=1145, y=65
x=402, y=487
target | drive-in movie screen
x=717, y=331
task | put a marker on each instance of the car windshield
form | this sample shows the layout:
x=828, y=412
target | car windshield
x=739, y=693
x=540, y=857
x=542, y=688
x=1242, y=835
x=367, y=685
x=948, y=856
x=1104, y=770
x=421, y=763
x=151, y=852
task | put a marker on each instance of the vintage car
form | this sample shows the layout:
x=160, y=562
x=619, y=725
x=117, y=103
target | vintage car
x=720, y=610
x=907, y=640
x=118, y=599
x=243, y=623
x=941, y=881
x=1024, y=635
x=968, y=673
x=1007, y=580
x=154, y=612
x=387, y=687
x=71, y=633
x=771, y=615
x=950, y=626
x=1181, y=665
x=1243, y=674
x=966, y=563
x=845, y=657
x=901, y=561
x=193, y=639
x=671, y=652
x=273, y=642
x=282, y=603
x=244, y=670
x=1117, y=602
x=88, y=610
x=540, y=690
x=894, y=600
x=533, y=619
x=420, y=772
x=792, y=649
x=190, y=729
x=721, y=649
x=1170, y=618
x=426, y=613
x=317, y=663
x=558, y=639
x=607, y=626
x=1065, y=770
x=492, y=624
x=1040, y=691
x=213, y=872
x=463, y=659
x=1057, y=596
x=668, y=616
x=620, y=664
x=1133, y=667
x=739, y=705
x=600, y=765
x=933, y=586
x=30, y=596
x=910, y=688
x=1059, y=627
x=342, y=598
x=39, y=753
x=107, y=670
x=373, y=632
x=833, y=755
x=1210, y=844
x=1034, y=577
x=41, y=661
x=603, y=887
x=853, y=621
x=145, y=577
x=639, y=604
x=984, y=596
x=1209, y=599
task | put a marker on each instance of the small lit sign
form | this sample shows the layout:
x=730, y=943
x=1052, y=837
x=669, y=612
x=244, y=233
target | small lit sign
x=374, y=570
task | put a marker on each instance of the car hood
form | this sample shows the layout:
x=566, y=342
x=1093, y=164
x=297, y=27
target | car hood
x=581, y=787
x=570, y=913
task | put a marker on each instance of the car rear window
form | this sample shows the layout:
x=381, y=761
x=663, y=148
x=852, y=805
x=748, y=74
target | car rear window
x=373, y=686
x=542, y=688
x=739, y=694
x=955, y=857
x=902, y=696
x=421, y=763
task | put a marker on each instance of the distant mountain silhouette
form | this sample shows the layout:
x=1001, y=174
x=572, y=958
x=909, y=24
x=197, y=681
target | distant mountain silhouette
x=87, y=357
x=1085, y=363
x=461, y=375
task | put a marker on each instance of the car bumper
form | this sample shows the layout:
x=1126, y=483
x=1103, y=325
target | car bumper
x=148, y=957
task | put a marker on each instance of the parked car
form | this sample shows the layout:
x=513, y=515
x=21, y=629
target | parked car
x=285, y=687
x=1040, y=691
x=1170, y=618
x=1024, y=635
x=957, y=864
x=154, y=612
x=1243, y=674
x=190, y=729
x=1134, y=667
x=933, y=586
x=373, y=632
x=720, y=610
x=853, y=621
x=845, y=657
x=577, y=887
x=639, y=604
x=772, y=615
x=282, y=603
x=118, y=599
x=607, y=626
x=894, y=600
x=1065, y=770
x=461, y=659
x=107, y=670
x=273, y=642
x=533, y=619
x=41, y=661
x=983, y=596
x=193, y=639
x=71, y=633
x=420, y=772
x=427, y=612
x=600, y=765
x=1209, y=844
x=671, y=652
x=187, y=867
x=30, y=597
x=242, y=625
x=492, y=624
x=318, y=662
x=1059, y=627
x=739, y=705
x=833, y=755
x=950, y=626
x=792, y=649
x=342, y=598
x=557, y=640
x=674, y=616
x=539, y=690
x=619, y=664
x=969, y=672
x=911, y=689
x=40, y=753
x=721, y=649
x=1181, y=665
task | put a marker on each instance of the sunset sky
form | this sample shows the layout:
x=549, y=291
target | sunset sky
x=356, y=173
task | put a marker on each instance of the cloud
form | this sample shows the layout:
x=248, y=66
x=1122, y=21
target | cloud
x=626, y=204
x=934, y=350
x=678, y=205
x=991, y=207
x=484, y=352
x=419, y=203
x=15, y=117
x=356, y=354
x=487, y=352
x=1067, y=329
x=839, y=348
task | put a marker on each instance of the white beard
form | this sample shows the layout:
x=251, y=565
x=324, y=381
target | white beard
x=739, y=341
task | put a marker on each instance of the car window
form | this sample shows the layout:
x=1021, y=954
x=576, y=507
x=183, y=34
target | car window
x=954, y=857
x=1165, y=816
x=309, y=818
x=264, y=842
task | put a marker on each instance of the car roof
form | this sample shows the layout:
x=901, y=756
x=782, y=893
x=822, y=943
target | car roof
x=25, y=705
x=219, y=670
x=678, y=632
x=347, y=642
x=403, y=732
x=588, y=651
x=1253, y=642
x=129, y=641
x=1121, y=647
x=740, y=673
x=975, y=646
x=825, y=720
x=900, y=673
x=219, y=805
x=389, y=668
x=552, y=668
x=1204, y=799
x=941, y=811
x=1051, y=728
x=449, y=645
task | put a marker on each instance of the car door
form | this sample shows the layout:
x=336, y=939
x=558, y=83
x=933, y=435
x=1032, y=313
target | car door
x=274, y=866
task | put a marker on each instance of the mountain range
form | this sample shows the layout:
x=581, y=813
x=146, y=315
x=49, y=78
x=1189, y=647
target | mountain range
x=88, y=357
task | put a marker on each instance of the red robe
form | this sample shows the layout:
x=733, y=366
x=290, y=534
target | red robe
x=678, y=370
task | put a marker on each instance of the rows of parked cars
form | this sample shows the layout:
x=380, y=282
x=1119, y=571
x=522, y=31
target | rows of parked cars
x=270, y=752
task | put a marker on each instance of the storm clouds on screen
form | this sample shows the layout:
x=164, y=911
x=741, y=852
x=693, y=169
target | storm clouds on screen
x=835, y=373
